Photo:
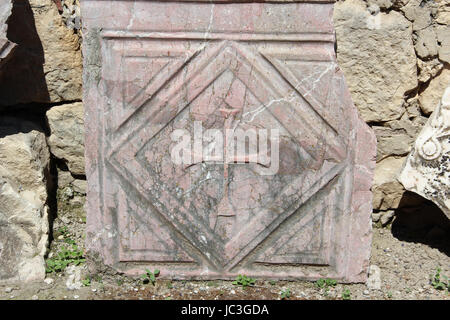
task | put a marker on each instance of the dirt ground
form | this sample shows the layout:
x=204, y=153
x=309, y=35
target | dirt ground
x=406, y=268
x=407, y=257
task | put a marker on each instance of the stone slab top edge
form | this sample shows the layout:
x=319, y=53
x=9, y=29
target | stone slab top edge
x=223, y=1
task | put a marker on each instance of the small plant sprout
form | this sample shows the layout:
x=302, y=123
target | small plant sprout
x=149, y=276
x=346, y=295
x=244, y=281
x=86, y=282
x=320, y=283
x=330, y=282
x=285, y=294
x=98, y=278
x=440, y=282
x=325, y=284
x=64, y=257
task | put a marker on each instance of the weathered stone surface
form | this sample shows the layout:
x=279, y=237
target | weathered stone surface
x=24, y=167
x=71, y=14
x=443, y=14
x=73, y=281
x=396, y=137
x=22, y=78
x=426, y=44
x=63, y=61
x=419, y=13
x=427, y=169
x=47, y=63
x=443, y=36
x=64, y=179
x=66, y=139
x=387, y=191
x=429, y=69
x=5, y=12
x=377, y=56
x=387, y=217
x=80, y=186
x=6, y=46
x=374, y=280
x=154, y=67
x=430, y=97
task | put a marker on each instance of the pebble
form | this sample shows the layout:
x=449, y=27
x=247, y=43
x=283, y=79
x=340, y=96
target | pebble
x=94, y=290
x=65, y=220
x=49, y=280
x=373, y=9
x=76, y=297
x=366, y=292
x=35, y=297
x=233, y=292
x=11, y=297
x=8, y=290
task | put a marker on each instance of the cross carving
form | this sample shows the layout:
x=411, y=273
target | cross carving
x=224, y=208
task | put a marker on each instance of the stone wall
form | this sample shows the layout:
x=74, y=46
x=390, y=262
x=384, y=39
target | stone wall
x=395, y=55
x=41, y=129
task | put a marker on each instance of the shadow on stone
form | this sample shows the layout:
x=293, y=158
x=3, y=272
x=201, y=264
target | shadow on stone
x=18, y=120
x=22, y=78
x=425, y=224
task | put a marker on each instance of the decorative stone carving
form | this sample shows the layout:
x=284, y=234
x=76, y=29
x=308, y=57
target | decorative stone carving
x=427, y=168
x=154, y=69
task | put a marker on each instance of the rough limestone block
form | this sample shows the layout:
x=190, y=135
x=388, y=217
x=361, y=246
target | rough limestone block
x=368, y=51
x=24, y=170
x=443, y=36
x=443, y=14
x=387, y=191
x=155, y=68
x=66, y=139
x=427, y=168
x=431, y=96
x=47, y=64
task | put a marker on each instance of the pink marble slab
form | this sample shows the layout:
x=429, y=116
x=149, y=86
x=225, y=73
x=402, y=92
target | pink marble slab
x=152, y=68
